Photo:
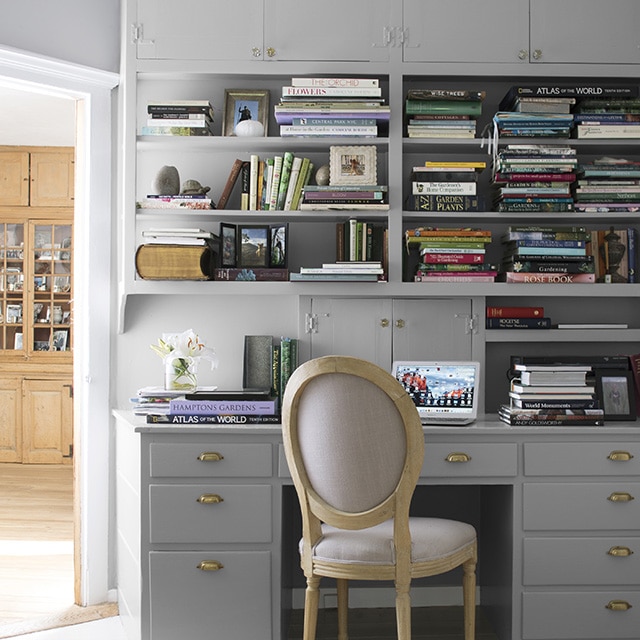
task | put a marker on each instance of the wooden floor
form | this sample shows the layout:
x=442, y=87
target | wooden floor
x=36, y=541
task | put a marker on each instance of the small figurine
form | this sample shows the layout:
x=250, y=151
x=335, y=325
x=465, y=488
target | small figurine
x=193, y=187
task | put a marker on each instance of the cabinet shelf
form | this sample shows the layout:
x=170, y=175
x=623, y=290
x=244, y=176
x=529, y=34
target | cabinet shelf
x=562, y=335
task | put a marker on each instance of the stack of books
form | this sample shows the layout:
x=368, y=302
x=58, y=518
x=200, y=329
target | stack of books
x=614, y=254
x=534, y=177
x=153, y=400
x=446, y=186
x=179, y=118
x=323, y=107
x=451, y=255
x=178, y=201
x=608, y=185
x=350, y=271
x=608, y=118
x=547, y=255
x=443, y=113
x=340, y=197
x=518, y=317
x=180, y=236
x=552, y=395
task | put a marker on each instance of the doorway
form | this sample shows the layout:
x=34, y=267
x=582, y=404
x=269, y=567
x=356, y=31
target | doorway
x=92, y=92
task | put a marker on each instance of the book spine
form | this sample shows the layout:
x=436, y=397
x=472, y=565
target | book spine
x=182, y=116
x=332, y=92
x=303, y=179
x=212, y=419
x=453, y=258
x=293, y=181
x=556, y=404
x=275, y=372
x=550, y=278
x=335, y=82
x=444, y=188
x=245, y=177
x=266, y=187
x=632, y=257
x=178, y=122
x=275, y=184
x=421, y=202
x=249, y=275
x=222, y=407
x=253, y=182
x=445, y=94
x=334, y=122
x=518, y=323
x=285, y=175
x=285, y=364
x=514, y=312
x=231, y=181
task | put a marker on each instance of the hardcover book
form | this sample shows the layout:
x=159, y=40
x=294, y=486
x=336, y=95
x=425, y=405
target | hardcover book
x=175, y=262
x=518, y=323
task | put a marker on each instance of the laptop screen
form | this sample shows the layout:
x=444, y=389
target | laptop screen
x=441, y=390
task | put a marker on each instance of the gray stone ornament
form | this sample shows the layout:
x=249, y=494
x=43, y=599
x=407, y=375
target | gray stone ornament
x=322, y=175
x=193, y=187
x=167, y=182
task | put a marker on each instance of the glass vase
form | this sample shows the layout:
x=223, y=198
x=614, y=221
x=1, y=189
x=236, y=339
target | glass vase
x=180, y=374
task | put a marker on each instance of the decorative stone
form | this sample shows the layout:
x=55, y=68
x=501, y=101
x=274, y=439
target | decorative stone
x=167, y=182
x=322, y=175
x=249, y=129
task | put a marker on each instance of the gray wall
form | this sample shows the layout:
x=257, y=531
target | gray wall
x=85, y=32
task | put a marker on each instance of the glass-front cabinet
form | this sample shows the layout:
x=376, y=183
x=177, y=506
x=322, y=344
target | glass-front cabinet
x=35, y=287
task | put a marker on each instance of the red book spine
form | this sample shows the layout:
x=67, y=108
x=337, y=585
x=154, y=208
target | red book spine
x=515, y=312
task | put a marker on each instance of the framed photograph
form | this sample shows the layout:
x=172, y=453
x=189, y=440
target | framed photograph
x=17, y=342
x=41, y=345
x=615, y=391
x=14, y=314
x=353, y=165
x=228, y=245
x=253, y=246
x=278, y=242
x=59, y=341
x=244, y=104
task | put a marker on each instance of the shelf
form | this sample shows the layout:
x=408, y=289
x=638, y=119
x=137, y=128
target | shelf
x=562, y=335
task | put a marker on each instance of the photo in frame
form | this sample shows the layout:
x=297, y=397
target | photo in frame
x=615, y=390
x=244, y=104
x=353, y=165
x=278, y=244
x=59, y=342
x=253, y=246
x=228, y=245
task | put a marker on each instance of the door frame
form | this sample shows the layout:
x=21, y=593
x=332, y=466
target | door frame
x=93, y=92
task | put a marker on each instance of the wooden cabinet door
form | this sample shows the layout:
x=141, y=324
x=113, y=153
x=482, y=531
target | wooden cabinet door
x=464, y=31
x=585, y=31
x=10, y=420
x=48, y=422
x=332, y=30
x=193, y=30
x=14, y=178
x=52, y=179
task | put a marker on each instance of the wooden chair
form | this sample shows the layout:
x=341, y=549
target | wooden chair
x=355, y=446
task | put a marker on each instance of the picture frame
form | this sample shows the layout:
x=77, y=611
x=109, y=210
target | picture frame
x=278, y=245
x=244, y=104
x=253, y=245
x=228, y=245
x=353, y=165
x=14, y=314
x=59, y=340
x=616, y=393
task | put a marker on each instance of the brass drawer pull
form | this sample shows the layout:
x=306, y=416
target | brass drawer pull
x=618, y=605
x=458, y=457
x=620, y=552
x=210, y=456
x=620, y=496
x=210, y=498
x=210, y=565
x=620, y=456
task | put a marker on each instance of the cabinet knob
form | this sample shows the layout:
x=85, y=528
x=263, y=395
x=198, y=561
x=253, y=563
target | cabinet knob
x=620, y=496
x=523, y=54
x=210, y=565
x=400, y=324
x=618, y=605
x=256, y=51
x=537, y=54
x=620, y=552
x=271, y=52
x=384, y=323
x=620, y=456
x=458, y=457
x=210, y=498
x=210, y=456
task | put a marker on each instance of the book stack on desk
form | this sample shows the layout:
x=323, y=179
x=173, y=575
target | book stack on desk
x=552, y=395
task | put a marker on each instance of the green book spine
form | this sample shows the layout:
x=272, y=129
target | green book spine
x=285, y=364
x=285, y=175
x=275, y=368
x=443, y=106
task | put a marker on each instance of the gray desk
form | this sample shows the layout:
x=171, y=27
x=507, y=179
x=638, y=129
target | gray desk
x=559, y=528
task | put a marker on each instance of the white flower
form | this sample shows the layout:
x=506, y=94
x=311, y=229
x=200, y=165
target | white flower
x=185, y=345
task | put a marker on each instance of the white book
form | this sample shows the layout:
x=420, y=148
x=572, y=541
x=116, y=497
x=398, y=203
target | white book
x=448, y=188
x=332, y=92
x=335, y=82
x=177, y=122
x=293, y=181
x=275, y=183
x=253, y=182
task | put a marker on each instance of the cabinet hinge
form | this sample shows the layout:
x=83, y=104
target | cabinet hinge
x=136, y=35
x=470, y=322
x=311, y=323
x=70, y=452
x=70, y=387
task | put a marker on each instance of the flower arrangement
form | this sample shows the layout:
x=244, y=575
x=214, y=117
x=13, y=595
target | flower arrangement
x=181, y=353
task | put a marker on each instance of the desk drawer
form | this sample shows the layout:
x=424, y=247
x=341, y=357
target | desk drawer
x=189, y=602
x=177, y=515
x=560, y=615
x=458, y=459
x=210, y=460
x=584, y=506
x=614, y=560
x=581, y=458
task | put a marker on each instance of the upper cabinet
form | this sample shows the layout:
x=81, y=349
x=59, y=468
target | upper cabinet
x=538, y=31
x=332, y=30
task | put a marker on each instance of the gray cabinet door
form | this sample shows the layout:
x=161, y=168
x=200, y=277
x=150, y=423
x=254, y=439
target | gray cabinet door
x=194, y=30
x=585, y=31
x=464, y=31
x=385, y=330
x=332, y=30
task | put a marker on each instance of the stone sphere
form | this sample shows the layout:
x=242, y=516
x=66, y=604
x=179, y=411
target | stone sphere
x=249, y=129
x=322, y=175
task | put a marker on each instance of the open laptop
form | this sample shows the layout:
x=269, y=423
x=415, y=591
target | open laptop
x=445, y=393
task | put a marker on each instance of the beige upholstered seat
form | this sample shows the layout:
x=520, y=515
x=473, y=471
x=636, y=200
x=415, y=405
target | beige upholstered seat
x=355, y=446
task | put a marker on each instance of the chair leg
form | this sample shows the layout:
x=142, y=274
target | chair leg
x=343, y=608
x=403, y=611
x=311, y=598
x=469, y=596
